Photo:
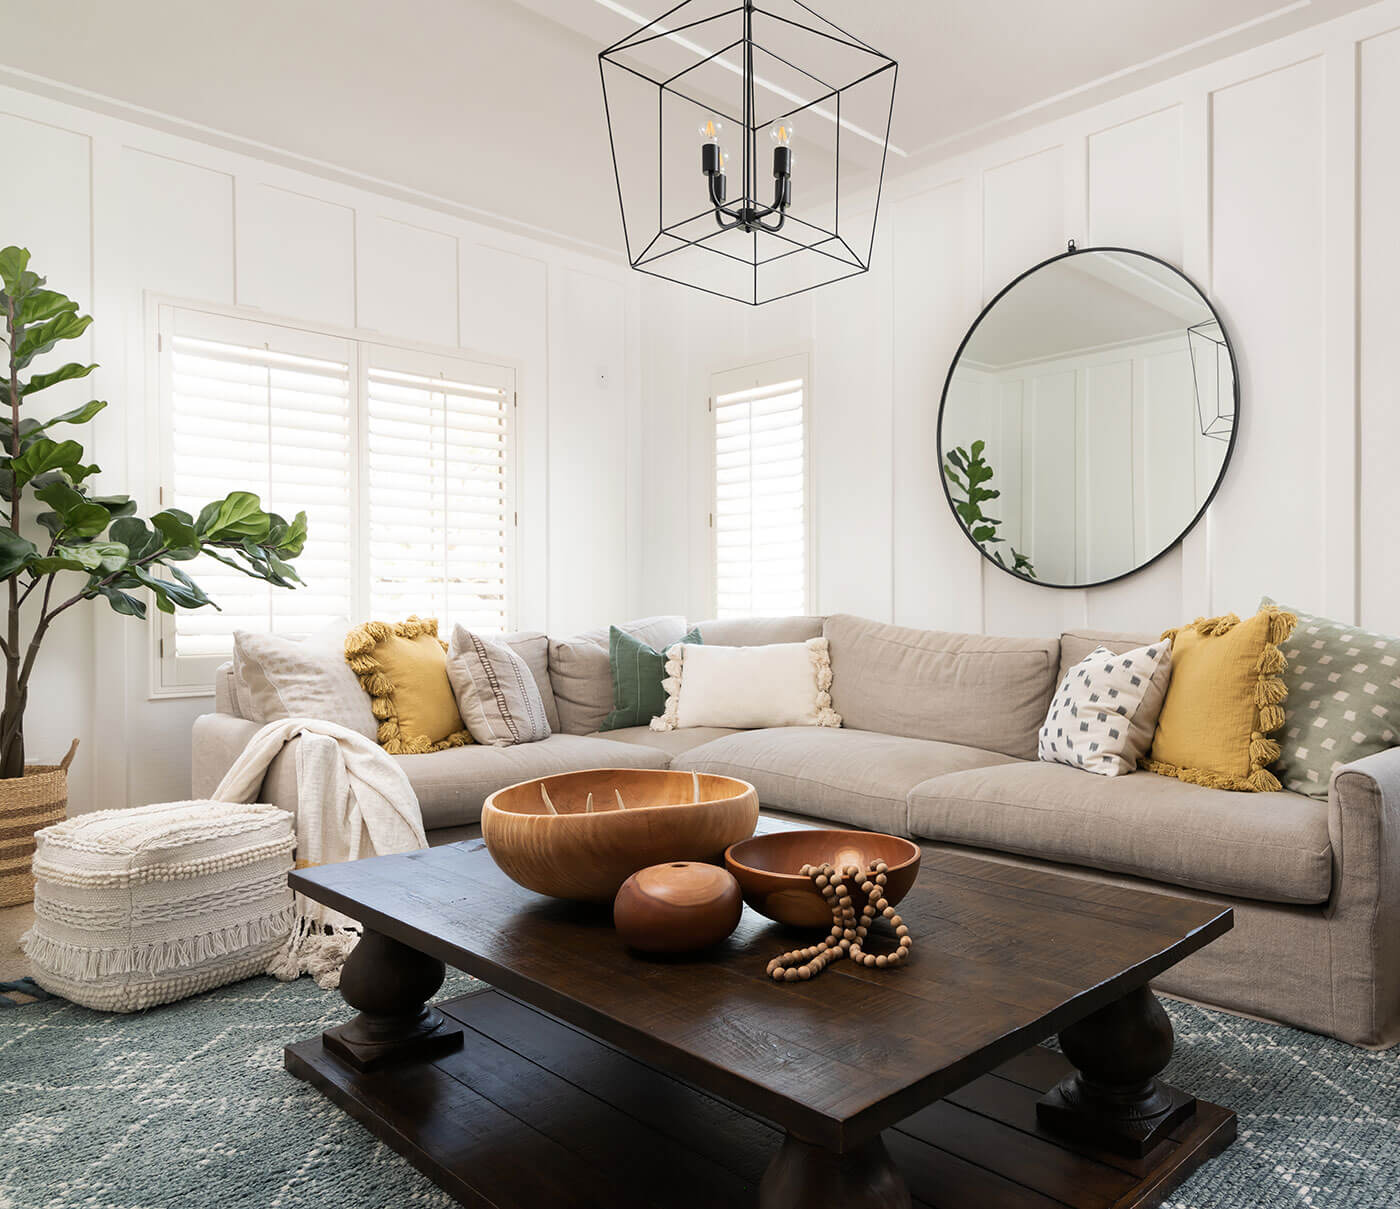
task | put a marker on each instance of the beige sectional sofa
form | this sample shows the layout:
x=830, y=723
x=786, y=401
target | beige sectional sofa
x=939, y=741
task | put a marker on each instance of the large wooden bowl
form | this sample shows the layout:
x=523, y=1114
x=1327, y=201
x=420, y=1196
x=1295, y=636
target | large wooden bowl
x=766, y=868
x=562, y=848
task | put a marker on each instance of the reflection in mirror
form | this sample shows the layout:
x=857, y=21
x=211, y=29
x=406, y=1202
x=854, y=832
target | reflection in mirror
x=1088, y=418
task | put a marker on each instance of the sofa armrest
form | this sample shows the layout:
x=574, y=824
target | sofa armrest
x=219, y=739
x=1364, y=826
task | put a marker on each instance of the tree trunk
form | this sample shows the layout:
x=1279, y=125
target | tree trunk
x=12, y=719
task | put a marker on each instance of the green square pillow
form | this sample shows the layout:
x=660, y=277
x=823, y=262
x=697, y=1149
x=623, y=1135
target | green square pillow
x=1343, y=700
x=637, y=673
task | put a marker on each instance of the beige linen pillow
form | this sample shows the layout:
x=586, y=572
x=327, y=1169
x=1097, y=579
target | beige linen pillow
x=748, y=687
x=496, y=694
x=276, y=677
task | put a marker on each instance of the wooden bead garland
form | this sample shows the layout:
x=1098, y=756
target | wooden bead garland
x=848, y=932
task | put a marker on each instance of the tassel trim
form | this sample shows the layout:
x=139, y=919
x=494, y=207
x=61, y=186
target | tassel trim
x=669, y=719
x=360, y=644
x=819, y=650
x=82, y=963
x=1270, y=692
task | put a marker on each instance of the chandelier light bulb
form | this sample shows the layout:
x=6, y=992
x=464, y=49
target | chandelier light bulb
x=781, y=133
x=710, y=130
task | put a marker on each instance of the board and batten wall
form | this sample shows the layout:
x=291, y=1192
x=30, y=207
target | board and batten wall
x=116, y=213
x=1272, y=178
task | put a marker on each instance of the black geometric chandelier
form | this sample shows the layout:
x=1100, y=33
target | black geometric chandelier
x=747, y=74
x=1213, y=378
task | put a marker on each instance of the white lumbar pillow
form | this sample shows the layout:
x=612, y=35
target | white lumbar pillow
x=276, y=677
x=1103, y=715
x=747, y=687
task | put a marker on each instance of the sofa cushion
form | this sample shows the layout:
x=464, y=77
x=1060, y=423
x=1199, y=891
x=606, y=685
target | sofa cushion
x=1273, y=847
x=672, y=742
x=1077, y=645
x=847, y=776
x=759, y=631
x=452, y=785
x=581, y=674
x=967, y=689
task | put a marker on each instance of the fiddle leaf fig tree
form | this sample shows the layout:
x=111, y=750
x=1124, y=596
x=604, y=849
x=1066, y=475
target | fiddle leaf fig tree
x=83, y=545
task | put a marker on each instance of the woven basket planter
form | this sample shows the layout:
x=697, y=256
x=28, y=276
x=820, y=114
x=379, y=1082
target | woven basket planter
x=37, y=799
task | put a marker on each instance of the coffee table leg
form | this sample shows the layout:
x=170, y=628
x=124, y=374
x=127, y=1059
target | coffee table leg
x=1114, y=1099
x=390, y=984
x=804, y=1176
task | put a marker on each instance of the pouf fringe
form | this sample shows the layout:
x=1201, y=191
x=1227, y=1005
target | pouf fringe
x=83, y=963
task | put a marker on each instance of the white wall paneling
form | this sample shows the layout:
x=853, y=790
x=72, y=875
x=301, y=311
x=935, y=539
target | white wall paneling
x=295, y=254
x=1272, y=178
x=127, y=213
x=1379, y=261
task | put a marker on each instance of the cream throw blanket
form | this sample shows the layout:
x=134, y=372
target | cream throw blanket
x=353, y=800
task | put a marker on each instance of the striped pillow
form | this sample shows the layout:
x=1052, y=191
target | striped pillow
x=496, y=692
x=637, y=673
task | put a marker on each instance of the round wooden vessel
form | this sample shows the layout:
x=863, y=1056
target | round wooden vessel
x=677, y=907
x=566, y=835
x=766, y=868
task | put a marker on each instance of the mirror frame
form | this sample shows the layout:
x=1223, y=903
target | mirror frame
x=1224, y=465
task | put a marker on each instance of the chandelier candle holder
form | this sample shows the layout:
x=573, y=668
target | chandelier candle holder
x=749, y=74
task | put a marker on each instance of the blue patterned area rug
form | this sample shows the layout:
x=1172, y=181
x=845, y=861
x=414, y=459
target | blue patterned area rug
x=188, y=1105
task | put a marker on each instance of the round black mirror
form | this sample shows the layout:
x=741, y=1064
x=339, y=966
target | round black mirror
x=1088, y=418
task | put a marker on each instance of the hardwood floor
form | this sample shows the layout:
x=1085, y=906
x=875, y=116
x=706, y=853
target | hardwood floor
x=14, y=921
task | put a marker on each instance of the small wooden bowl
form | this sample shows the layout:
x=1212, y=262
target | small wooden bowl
x=677, y=907
x=586, y=855
x=766, y=868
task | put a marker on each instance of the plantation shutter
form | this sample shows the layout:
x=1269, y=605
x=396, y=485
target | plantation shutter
x=268, y=409
x=440, y=504
x=760, y=519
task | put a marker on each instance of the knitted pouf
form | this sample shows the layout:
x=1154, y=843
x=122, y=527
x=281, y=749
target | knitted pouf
x=138, y=907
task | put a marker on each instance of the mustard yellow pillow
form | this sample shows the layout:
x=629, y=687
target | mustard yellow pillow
x=1225, y=699
x=403, y=667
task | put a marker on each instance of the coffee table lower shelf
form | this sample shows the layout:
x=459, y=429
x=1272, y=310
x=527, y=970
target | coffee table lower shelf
x=532, y=1113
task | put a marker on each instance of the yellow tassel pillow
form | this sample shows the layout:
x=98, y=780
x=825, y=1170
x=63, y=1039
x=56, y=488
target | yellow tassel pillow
x=403, y=667
x=1225, y=699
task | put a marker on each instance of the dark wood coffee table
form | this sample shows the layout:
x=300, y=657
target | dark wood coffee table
x=587, y=1076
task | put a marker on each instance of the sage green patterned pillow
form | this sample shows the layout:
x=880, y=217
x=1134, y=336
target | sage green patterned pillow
x=637, y=673
x=1343, y=700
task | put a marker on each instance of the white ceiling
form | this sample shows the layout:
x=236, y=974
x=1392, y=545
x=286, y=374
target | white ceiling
x=494, y=105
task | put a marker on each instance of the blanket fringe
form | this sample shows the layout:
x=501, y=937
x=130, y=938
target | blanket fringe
x=314, y=948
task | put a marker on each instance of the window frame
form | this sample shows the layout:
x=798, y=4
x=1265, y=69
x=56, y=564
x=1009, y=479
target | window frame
x=174, y=676
x=767, y=369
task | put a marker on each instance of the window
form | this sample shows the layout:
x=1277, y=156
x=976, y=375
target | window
x=402, y=460
x=439, y=488
x=762, y=537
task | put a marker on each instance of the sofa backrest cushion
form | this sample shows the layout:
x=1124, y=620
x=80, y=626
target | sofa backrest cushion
x=972, y=689
x=759, y=631
x=1078, y=645
x=225, y=696
x=581, y=674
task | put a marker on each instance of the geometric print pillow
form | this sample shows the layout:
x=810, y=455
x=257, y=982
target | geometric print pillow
x=1103, y=716
x=1343, y=700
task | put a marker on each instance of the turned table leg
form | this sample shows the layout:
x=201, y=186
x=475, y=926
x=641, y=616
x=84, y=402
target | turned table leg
x=804, y=1176
x=1114, y=1098
x=390, y=984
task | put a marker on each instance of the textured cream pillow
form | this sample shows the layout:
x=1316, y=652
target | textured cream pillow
x=276, y=677
x=747, y=687
x=1103, y=715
